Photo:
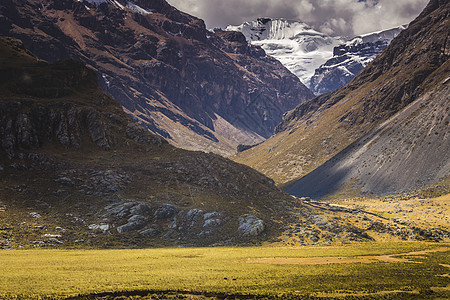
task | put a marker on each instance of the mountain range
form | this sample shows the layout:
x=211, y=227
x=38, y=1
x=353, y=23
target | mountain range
x=322, y=62
x=385, y=132
x=77, y=169
x=198, y=89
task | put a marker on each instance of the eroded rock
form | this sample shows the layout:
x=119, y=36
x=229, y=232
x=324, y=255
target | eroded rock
x=165, y=211
x=250, y=225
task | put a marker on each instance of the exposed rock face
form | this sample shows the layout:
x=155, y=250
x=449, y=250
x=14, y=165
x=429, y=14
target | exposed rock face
x=28, y=125
x=177, y=79
x=250, y=225
x=349, y=59
x=379, y=128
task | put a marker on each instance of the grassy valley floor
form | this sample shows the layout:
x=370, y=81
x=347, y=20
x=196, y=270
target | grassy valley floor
x=400, y=270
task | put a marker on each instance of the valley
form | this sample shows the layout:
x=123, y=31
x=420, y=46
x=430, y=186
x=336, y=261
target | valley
x=144, y=156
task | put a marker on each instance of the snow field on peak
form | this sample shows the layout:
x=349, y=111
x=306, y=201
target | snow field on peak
x=131, y=6
x=384, y=35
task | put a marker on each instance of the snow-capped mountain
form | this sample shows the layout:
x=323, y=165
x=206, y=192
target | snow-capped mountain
x=349, y=59
x=124, y=5
x=322, y=62
x=295, y=44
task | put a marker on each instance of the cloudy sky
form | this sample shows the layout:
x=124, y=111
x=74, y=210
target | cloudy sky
x=335, y=17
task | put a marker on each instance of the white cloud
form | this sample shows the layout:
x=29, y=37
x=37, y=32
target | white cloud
x=338, y=17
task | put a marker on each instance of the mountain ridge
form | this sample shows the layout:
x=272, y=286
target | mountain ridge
x=72, y=159
x=299, y=47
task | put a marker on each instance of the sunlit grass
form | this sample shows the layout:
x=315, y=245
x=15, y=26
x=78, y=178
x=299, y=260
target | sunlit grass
x=60, y=273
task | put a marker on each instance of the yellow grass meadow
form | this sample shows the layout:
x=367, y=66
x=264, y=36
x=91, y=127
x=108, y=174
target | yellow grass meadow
x=418, y=270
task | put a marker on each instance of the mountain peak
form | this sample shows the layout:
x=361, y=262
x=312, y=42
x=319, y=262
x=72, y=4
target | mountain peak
x=273, y=29
x=294, y=43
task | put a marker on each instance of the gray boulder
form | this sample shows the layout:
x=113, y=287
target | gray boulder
x=194, y=214
x=134, y=223
x=250, y=225
x=127, y=209
x=119, y=210
x=212, y=222
x=140, y=209
x=165, y=211
x=211, y=215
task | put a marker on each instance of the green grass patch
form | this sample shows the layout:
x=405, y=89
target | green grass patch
x=62, y=273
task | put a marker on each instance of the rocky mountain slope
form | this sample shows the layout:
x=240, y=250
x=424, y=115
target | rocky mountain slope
x=349, y=59
x=200, y=90
x=295, y=44
x=75, y=170
x=386, y=131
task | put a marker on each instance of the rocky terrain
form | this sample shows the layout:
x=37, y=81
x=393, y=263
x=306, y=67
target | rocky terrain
x=76, y=171
x=198, y=89
x=384, y=132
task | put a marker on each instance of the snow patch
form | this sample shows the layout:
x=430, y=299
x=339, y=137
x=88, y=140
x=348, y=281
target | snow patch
x=105, y=78
x=373, y=37
x=138, y=9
